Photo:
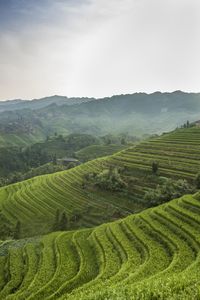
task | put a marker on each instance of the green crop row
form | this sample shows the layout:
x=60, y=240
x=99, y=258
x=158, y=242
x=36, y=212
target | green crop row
x=156, y=252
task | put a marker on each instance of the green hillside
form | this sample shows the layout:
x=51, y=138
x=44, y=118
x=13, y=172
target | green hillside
x=15, y=162
x=66, y=146
x=151, y=255
x=34, y=202
x=20, y=139
x=95, y=151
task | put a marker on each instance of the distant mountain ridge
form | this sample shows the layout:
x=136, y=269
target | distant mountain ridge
x=64, y=100
x=136, y=114
x=18, y=104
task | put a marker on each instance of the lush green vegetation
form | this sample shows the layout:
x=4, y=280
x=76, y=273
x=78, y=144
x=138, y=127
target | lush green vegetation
x=18, y=163
x=151, y=255
x=34, y=202
x=95, y=151
x=108, y=179
x=17, y=158
x=168, y=189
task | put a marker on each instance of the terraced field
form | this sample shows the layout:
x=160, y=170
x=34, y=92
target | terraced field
x=178, y=155
x=34, y=202
x=151, y=255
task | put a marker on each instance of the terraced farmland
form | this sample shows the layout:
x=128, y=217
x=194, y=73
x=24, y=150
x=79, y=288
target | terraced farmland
x=178, y=155
x=151, y=255
x=34, y=202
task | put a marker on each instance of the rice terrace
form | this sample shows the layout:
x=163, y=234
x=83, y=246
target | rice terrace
x=153, y=253
x=99, y=150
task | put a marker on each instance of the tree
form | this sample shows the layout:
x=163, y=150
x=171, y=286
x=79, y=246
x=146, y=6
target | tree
x=17, y=230
x=63, y=224
x=154, y=167
x=76, y=216
x=197, y=181
x=61, y=138
x=55, y=159
x=168, y=190
x=108, y=179
x=123, y=141
x=6, y=229
x=57, y=221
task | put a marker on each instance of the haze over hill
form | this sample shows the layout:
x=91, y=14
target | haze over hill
x=17, y=104
x=136, y=114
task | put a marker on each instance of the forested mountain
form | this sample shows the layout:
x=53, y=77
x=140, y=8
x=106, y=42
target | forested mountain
x=40, y=103
x=137, y=114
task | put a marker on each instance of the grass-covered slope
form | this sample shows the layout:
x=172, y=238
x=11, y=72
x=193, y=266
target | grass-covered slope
x=151, y=255
x=21, y=139
x=177, y=153
x=34, y=202
x=95, y=151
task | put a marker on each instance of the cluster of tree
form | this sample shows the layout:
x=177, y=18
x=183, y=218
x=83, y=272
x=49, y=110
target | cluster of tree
x=168, y=190
x=21, y=160
x=197, y=181
x=17, y=164
x=69, y=144
x=61, y=221
x=118, y=139
x=109, y=179
x=65, y=222
x=187, y=125
x=155, y=167
x=17, y=230
x=19, y=122
x=8, y=230
x=5, y=227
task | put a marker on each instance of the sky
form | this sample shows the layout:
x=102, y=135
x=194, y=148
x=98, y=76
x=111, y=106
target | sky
x=98, y=48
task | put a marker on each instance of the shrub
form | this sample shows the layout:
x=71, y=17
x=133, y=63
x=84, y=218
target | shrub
x=169, y=189
x=61, y=221
x=109, y=179
x=17, y=230
x=197, y=181
x=154, y=167
x=64, y=223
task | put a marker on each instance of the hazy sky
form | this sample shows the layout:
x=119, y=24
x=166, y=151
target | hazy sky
x=98, y=47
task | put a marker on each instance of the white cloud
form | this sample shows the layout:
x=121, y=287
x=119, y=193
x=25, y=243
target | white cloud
x=99, y=48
